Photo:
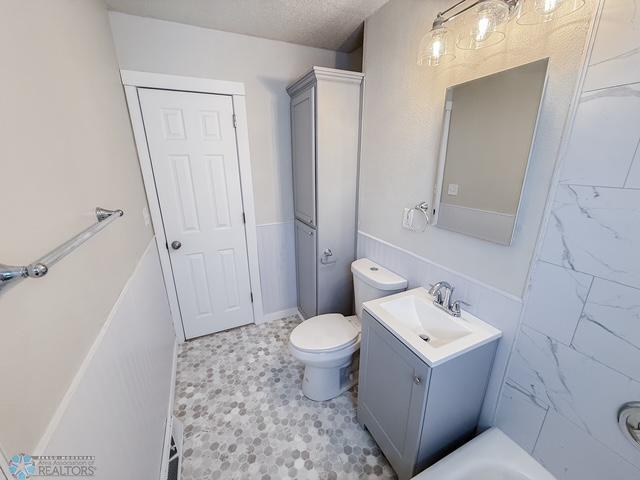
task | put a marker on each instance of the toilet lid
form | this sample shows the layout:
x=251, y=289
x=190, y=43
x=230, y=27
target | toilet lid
x=325, y=333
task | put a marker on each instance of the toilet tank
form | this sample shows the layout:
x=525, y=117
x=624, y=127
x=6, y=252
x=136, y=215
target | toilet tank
x=371, y=281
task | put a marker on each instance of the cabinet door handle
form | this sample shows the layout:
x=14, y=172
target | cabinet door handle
x=324, y=259
x=417, y=380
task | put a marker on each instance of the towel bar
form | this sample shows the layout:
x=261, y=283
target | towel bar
x=10, y=275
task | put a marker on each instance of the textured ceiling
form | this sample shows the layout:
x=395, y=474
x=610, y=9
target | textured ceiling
x=331, y=24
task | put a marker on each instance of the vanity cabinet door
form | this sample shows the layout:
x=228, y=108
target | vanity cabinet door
x=391, y=395
x=306, y=269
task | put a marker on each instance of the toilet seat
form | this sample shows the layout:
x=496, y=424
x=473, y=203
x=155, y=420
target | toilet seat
x=325, y=333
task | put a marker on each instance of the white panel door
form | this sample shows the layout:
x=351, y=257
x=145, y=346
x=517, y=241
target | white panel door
x=192, y=143
x=303, y=146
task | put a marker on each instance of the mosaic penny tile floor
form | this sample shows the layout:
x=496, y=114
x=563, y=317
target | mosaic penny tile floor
x=238, y=395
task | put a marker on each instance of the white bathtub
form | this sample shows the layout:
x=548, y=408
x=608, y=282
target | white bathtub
x=490, y=456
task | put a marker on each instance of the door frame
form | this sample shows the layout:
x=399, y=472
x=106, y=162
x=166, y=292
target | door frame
x=132, y=81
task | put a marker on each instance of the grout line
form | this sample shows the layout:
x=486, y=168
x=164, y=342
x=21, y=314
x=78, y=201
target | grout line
x=584, y=304
x=535, y=444
x=584, y=272
x=579, y=352
x=607, y=187
x=627, y=84
x=633, y=161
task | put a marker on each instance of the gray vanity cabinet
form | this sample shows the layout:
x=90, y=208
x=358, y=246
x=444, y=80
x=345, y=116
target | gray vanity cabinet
x=417, y=414
x=392, y=393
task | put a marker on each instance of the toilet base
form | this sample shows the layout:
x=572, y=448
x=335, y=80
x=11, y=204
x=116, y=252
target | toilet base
x=320, y=384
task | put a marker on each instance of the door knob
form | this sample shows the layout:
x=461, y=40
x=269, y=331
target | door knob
x=176, y=244
x=417, y=380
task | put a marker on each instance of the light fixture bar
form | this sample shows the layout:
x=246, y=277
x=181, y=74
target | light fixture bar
x=441, y=19
x=444, y=12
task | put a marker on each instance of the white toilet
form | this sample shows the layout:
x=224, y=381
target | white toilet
x=326, y=343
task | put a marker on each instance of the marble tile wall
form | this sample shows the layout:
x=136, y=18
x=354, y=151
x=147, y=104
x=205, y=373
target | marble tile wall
x=576, y=359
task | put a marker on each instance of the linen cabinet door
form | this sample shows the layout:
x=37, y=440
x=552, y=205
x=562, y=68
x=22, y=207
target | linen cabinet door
x=306, y=269
x=303, y=152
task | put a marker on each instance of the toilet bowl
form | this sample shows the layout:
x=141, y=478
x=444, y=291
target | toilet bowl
x=325, y=344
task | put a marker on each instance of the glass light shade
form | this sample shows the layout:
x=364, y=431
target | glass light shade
x=534, y=12
x=482, y=26
x=435, y=47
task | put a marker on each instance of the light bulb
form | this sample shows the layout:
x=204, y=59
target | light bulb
x=547, y=6
x=483, y=29
x=434, y=47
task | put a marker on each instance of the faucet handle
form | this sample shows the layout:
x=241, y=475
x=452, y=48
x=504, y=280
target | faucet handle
x=455, y=307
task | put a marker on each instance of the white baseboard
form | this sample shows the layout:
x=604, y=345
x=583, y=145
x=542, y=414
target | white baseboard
x=269, y=317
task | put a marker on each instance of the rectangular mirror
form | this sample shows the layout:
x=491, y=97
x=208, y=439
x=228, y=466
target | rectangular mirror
x=489, y=127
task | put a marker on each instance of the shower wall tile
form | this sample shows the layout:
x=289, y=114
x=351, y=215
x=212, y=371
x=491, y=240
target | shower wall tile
x=615, y=59
x=604, y=137
x=520, y=415
x=597, y=231
x=575, y=386
x=609, y=330
x=578, y=350
x=572, y=454
x=555, y=301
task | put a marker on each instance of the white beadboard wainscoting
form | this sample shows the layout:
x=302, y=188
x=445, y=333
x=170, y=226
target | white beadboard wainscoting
x=500, y=309
x=277, y=259
x=118, y=403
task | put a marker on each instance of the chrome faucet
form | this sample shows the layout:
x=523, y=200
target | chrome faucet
x=441, y=293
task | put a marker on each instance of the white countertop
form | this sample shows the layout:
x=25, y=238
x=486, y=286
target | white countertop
x=480, y=333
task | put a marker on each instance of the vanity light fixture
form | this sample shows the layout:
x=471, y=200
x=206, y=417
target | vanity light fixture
x=483, y=24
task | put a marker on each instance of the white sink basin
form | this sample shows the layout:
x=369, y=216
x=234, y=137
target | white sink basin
x=428, y=331
x=430, y=323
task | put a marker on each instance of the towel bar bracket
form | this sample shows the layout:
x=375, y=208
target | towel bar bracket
x=11, y=274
